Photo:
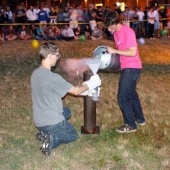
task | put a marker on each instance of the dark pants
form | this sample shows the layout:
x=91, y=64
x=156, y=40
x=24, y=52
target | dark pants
x=150, y=30
x=63, y=132
x=128, y=99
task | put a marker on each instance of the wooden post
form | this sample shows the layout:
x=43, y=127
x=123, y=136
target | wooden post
x=89, y=112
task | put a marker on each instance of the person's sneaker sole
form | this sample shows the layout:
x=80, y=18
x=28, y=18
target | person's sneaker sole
x=45, y=146
x=128, y=131
x=141, y=124
x=125, y=129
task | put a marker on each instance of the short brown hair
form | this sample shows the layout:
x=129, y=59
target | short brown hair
x=111, y=18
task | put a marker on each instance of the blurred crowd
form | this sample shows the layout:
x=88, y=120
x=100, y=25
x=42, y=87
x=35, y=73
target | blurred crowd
x=55, y=23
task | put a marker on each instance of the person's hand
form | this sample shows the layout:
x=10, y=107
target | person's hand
x=93, y=82
x=110, y=50
x=89, y=93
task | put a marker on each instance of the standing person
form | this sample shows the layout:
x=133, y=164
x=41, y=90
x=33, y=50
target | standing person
x=47, y=10
x=20, y=15
x=99, y=17
x=31, y=15
x=164, y=18
x=145, y=21
x=92, y=17
x=151, y=22
x=131, y=67
x=157, y=24
x=36, y=11
x=53, y=16
x=10, y=15
x=48, y=89
x=141, y=15
x=42, y=16
x=118, y=10
x=73, y=14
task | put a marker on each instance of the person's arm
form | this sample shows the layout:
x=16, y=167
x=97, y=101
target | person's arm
x=130, y=52
x=78, y=90
x=89, y=85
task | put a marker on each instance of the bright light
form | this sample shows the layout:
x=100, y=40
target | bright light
x=99, y=4
x=118, y=3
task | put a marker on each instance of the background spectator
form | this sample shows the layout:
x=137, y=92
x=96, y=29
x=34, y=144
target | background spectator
x=151, y=21
x=36, y=11
x=24, y=33
x=78, y=32
x=10, y=15
x=67, y=33
x=96, y=34
x=42, y=16
x=10, y=33
x=47, y=10
x=53, y=16
x=99, y=17
x=87, y=31
x=20, y=15
x=73, y=15
x=1, y=37
x=58, y=33
x=31, y=15
x=41, y=34
x=51, y=33
x=33, y=30
x=92, y=17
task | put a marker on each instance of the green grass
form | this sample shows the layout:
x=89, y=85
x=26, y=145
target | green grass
x=146, y=149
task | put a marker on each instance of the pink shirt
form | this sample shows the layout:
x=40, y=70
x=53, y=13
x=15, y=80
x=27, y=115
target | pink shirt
x=124, y=39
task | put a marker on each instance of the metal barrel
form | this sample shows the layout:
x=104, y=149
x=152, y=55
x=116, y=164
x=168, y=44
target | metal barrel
x=110, y=62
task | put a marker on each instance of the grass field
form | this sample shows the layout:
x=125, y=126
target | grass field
x=147, y=149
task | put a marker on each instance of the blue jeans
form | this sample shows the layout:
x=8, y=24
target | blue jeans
x=63, y=132
x=128, y=99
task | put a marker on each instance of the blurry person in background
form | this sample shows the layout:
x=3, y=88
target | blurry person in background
x=73, y=15
x=157, y=23
x=10, y=33
x=10, y=15
x=151, y=22
x=92, y=16
x=87, y=31
x=41, y=32
x=36, y=10
x=47, y=10
x=67, y=33
x=2, y=39
x=24, y=33
x=96, y=34
x=42, y=16
x=99, y=17
x=20, y=15
x=53, y=16
x=31, y=15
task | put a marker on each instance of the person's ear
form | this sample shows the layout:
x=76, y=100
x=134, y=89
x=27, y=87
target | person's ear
x=49, y=56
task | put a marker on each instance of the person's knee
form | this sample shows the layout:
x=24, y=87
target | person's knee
x=67, y=112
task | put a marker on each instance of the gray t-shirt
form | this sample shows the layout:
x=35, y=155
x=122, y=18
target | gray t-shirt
x=47, y=89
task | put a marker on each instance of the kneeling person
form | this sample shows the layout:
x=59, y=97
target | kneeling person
x=48, y=89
